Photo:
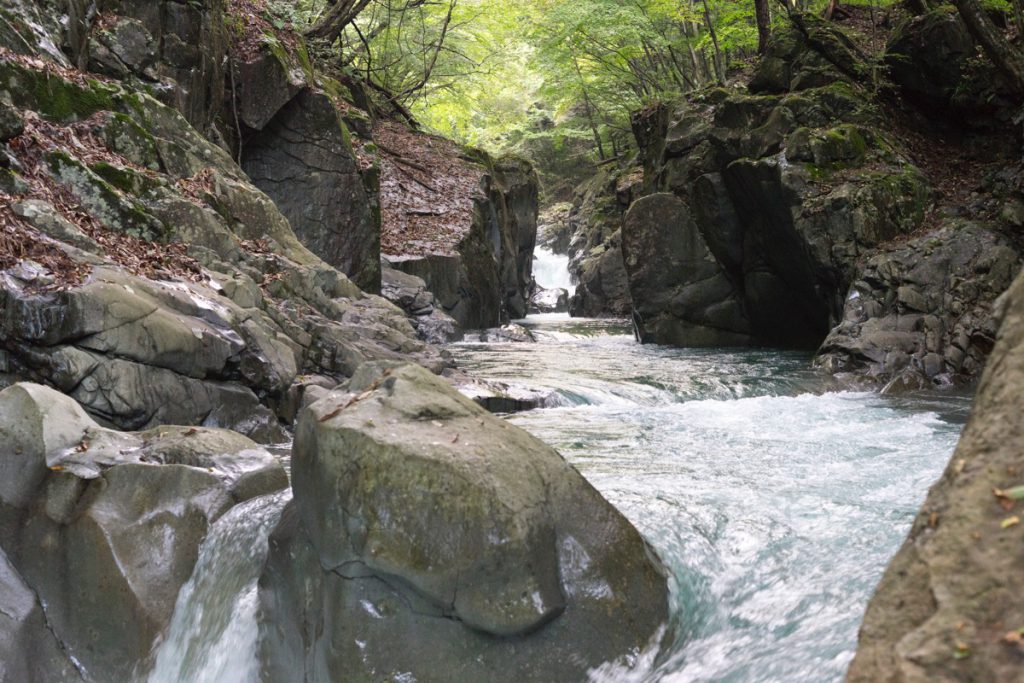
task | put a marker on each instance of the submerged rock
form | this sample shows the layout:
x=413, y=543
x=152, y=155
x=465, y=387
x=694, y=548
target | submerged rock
x=104, y=527
x=549, y=300
x=428, y=538
x=512, y=332
x=949, y=606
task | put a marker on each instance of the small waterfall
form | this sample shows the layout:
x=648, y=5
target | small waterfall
x=213, y=634
x=551, y=270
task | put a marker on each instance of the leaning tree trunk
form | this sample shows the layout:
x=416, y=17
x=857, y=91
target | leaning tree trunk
x=1006, y=58
x=340, y=15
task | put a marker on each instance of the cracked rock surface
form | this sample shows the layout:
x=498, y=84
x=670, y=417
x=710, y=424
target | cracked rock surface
x=427, y=535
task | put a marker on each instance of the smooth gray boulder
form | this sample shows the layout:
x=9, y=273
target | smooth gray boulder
x=429, y=539
x=105, y=527
x=28, y=651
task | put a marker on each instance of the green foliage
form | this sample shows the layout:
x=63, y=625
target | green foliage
x=552, y=80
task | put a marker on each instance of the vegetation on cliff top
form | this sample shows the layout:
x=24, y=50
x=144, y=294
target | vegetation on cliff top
x=556, y=81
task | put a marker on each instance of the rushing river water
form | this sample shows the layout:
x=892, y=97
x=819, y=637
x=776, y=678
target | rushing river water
x=775, y=503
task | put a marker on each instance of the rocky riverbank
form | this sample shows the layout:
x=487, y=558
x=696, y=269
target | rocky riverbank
x=807, y=207
x=192, y=222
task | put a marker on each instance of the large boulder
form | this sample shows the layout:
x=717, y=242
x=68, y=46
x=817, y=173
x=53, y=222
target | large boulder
x=683, y=296
x=430, y=539
x=29, y=653
x=949, y=607
x=105, y=527
x=304, y=161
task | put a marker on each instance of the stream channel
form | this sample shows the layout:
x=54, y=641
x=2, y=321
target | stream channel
x=774, y=500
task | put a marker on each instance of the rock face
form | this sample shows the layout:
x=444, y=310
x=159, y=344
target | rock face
x=921, y=314
x=303, y=160
x=673, y=270
x=949, y=606
x=779, y=195
x=554, y=229
x=428, y=317
x=430, y=539
x=102, y=529
x=175, y=49
x=595, y=251
x=468, y=230
x=183, y=296
x=29, y=652
x=933, y=59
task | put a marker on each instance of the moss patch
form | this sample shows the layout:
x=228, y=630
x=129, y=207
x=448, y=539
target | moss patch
x=53, y=96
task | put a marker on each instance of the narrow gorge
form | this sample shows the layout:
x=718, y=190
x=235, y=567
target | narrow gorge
x=361, y=340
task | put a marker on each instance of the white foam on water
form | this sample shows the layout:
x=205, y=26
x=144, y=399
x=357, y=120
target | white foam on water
x=775, y=502
x=213, y=636
x=551, y=270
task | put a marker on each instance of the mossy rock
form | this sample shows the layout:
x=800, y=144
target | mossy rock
x=53, y=96
x=843, y=145
x=12, y=124
x=126, y=179
x=11, y=183
x=123, y=136
x=103, y=201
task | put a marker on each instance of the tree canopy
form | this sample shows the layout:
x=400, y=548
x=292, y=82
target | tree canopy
x=547, y=78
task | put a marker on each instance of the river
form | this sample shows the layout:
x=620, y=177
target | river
x=774, y=502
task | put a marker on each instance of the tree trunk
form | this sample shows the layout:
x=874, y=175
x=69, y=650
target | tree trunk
x=589, y=109
x=719, y=64
x=764, y=24
x=340, y=15
x=1006, y=58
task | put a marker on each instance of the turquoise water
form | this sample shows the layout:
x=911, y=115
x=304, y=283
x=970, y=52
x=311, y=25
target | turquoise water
x=774, y=499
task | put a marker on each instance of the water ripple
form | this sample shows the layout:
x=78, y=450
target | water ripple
x=774, y=500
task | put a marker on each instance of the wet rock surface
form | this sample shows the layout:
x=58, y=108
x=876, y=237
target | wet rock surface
x=554, y=300
x=104, y=527
x=381, y=572
x=948, y=606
